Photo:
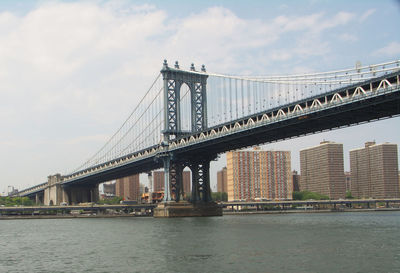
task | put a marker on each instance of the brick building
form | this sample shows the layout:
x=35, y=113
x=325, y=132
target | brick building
x=257, y=174
x=322, y=170
x=128, y=187
x=374, y=171
x=222, y=180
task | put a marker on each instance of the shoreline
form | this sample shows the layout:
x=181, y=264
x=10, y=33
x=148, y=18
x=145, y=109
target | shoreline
x=308, y=211
x=69, y=216
x=66, y=216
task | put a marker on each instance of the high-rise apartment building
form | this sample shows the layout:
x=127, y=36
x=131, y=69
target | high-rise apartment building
x=259, y=174
x=347, y=181
x=374, y=171
x=222, y=180
x=322, y=170
x=128, y=187
x=158, y=181
x=296, y=181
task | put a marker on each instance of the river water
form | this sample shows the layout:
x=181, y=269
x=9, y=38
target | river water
x=304, y=242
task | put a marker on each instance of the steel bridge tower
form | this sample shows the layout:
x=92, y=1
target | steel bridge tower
x=174, y=79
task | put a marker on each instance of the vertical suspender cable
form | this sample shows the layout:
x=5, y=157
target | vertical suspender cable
x=230, y=98
x=225, y=97
x=236, y=99
x=242, y=99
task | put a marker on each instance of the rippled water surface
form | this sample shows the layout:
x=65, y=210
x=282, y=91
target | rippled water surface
x=314, y=242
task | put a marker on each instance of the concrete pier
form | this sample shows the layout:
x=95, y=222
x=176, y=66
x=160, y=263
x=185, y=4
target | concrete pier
x=186, y=209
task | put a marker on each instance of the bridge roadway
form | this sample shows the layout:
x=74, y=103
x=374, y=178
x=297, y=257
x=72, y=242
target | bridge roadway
x=337, y=109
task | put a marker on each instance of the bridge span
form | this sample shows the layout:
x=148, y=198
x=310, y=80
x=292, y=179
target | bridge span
x=188, y=117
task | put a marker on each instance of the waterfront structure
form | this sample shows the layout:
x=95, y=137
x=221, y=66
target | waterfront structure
x=253, y=175
x=296, y=181
x=128, y=187
x=374, y=171
x=158, y=181
x=222, y=180
x=322, y=170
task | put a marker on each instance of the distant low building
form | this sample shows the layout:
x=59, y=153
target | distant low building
x=109, y=188
x=11, y=191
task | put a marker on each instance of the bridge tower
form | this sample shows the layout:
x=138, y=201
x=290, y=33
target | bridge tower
x=174, y=78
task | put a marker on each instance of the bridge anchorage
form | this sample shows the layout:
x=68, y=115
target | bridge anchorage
x=200, y=202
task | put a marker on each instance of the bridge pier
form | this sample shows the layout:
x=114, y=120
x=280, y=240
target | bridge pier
x=200, y=204
x=201, y=181
x=167, y=162
x=39, y=198
x=81, y=194
x=53, y=194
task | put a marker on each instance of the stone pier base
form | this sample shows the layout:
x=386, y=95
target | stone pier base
x=186, y=209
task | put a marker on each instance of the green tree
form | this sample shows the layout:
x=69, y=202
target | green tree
x=15, y=201
x=307, y=195
x=112, y=201
x=348, y=195
x=219, y=196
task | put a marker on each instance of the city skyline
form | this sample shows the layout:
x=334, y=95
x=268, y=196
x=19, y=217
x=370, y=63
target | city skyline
x=65, y=90
x=346, y=155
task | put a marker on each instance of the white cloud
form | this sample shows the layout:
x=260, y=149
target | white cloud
x=366, y=14
x=316, y=22
x=390, y=50
x=280, y=55
x=339, y=19
x=346, y=37
x=298, y=23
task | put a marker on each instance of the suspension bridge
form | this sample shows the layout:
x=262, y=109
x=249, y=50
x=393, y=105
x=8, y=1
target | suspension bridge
x=187, y=117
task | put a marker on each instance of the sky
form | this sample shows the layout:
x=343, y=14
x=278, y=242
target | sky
x=72, y=71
